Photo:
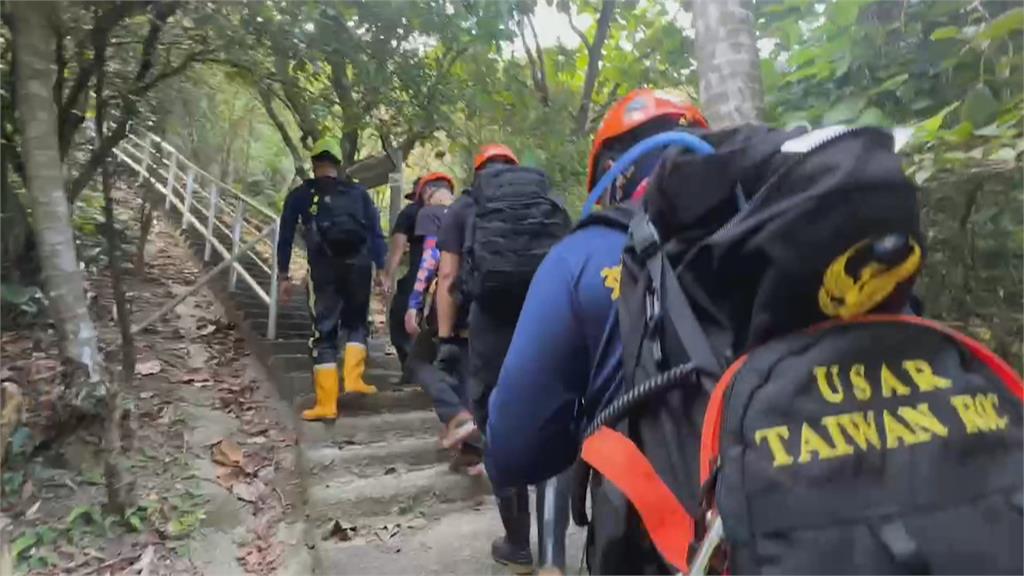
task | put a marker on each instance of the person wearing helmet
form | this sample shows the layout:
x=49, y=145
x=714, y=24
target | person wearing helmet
x=341, y=228
x=447, y=392
x=564, y=362
x=479, y=359
x=403, y=235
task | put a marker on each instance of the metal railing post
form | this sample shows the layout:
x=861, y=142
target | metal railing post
x=236, y=238
x=272, y=314
x=211, y=216
x=190, y=184
x=147, y=150
x=172, y=172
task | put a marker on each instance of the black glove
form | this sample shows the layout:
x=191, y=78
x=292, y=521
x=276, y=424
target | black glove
x=449, y=354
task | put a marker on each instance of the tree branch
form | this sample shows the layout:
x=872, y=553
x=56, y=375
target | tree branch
x=583, y=37
x=541, y=66
x=130, y=108
x=594, y=55
x=266, y=99
x=70, y=109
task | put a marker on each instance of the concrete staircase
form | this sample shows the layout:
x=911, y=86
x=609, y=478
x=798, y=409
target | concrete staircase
x=380, y=464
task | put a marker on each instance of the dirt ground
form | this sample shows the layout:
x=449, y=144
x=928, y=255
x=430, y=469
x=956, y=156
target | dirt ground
x=210, y=451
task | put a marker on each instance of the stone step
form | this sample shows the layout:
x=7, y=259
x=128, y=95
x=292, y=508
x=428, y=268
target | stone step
x=387, y=400
x=329, y=462
x=369, y=429
x=414, y=491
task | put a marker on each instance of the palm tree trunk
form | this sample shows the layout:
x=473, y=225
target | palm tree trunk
x=34, y=44
x=727, y=62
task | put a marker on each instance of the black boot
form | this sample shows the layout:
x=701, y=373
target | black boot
x=514, y=547
x=553, y=520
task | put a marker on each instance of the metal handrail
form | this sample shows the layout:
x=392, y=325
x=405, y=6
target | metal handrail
x=223, y=211
x=219, y=183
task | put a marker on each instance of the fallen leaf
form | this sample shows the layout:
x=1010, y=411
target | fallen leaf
x=42, y=369
x=227, y=453
x=195, y=375
x=340, y=531
x=32, y=511
x=248, y=491
x=228, y=476
x=256, y=440
x=142, y=567
x=148, y=367
x=27, y=489
x=251, y=463
x=416, y=523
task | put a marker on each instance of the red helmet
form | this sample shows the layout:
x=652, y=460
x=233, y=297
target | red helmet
x=493, y=152
x=431, y=177
x=636, y=108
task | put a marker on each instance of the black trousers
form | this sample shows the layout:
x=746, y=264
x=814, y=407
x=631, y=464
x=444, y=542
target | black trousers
x=339, y=302
x=447, y=393
x=489, y=338
x=396, y=317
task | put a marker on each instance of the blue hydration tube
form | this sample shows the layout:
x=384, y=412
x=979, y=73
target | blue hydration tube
x=688, y=141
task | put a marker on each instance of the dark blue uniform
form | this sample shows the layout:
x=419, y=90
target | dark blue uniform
x=339, y=288
x=565, y=361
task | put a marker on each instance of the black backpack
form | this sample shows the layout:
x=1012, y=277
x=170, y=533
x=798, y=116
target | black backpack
x=339, y=218
x=516, y=222
x=778, y=414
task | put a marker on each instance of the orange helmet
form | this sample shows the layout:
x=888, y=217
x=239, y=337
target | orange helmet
x=492, y=152
x=422, y=182
x=636, y=108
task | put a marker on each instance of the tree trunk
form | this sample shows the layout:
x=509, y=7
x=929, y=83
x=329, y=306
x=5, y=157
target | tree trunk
x=63, y=281
x=728, y=64
x=298, y=158
x=119, y=485
x=595, y=52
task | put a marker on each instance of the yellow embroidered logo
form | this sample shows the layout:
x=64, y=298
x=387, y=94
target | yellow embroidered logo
x=612, y=275
x=886, y=427
x=855, y=282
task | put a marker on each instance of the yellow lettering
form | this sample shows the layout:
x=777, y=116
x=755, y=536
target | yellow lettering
x=924, y=377
x=923, y=421
x=775, y=435
x=964, y=405
x=891, y=384
x=895, y=432
x=861, y=428
x=986, y=405
x=834, y=393
x=835, y=431
x=811, y=442
x=861, y=388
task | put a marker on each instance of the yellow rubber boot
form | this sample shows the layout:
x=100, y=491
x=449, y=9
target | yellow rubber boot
x=325, y=382
x=355, y=365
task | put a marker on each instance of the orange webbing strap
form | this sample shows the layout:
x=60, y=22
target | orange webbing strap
x=997, y=365
x=618, y=459
x=712, y=429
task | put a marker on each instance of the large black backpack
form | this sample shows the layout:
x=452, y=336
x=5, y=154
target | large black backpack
x=339, y=218
x=516, y=222
x=776, y=407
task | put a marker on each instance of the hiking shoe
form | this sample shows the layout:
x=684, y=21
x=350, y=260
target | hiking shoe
x=506, y=554
x=460, y=429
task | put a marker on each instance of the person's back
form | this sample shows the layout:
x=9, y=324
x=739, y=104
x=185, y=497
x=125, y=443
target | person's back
x=565, y=360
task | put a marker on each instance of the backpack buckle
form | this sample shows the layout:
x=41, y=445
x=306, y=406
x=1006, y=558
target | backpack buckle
x=644, y=236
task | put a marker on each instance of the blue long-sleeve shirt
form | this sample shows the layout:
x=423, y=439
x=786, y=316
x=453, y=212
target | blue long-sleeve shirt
x=296, y=209
x=565, y=361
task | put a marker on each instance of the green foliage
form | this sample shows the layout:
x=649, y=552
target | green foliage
x=953, y=72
